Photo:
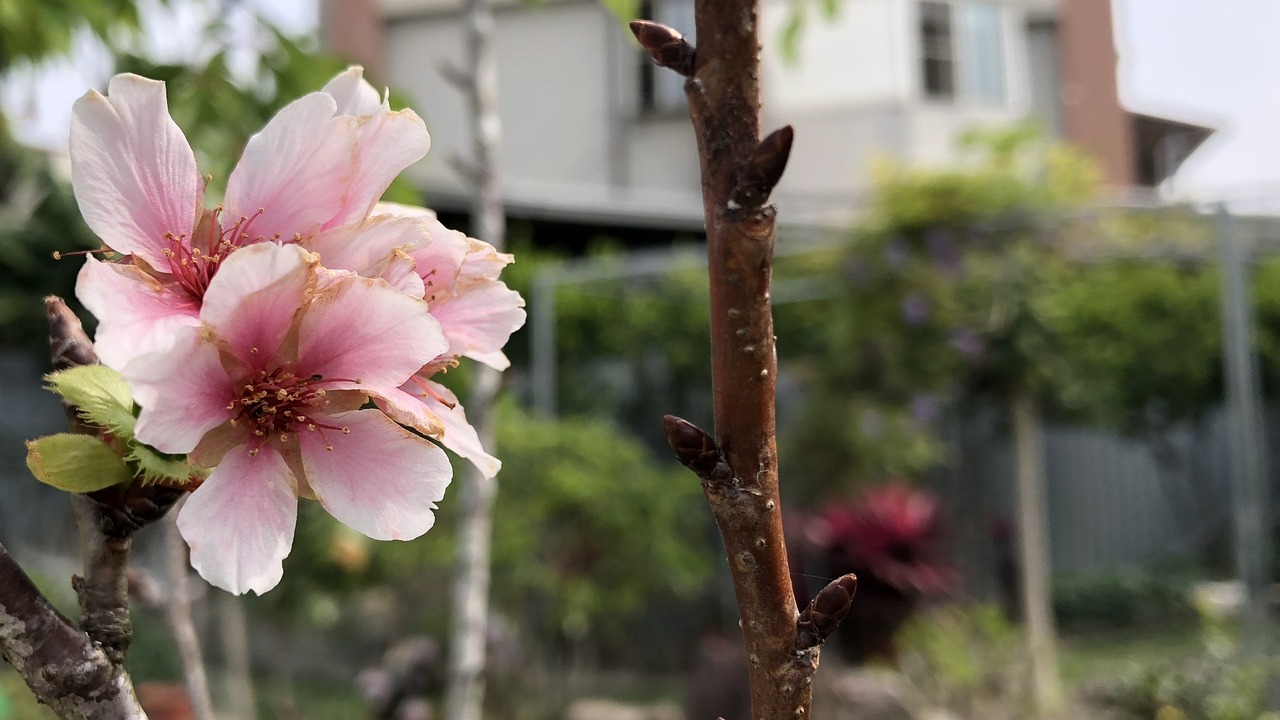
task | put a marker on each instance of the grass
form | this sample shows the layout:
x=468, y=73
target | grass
x=1103, y=653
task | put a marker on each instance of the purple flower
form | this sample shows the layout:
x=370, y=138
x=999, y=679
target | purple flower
x=897, y=253
x=924, y=409
x=968, y=343
x=944, y=250
x=915, y=309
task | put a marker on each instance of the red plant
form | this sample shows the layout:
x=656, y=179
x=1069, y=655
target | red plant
x=892, y=533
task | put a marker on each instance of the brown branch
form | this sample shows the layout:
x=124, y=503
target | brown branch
x=65, y=670
x=79, y=671
x=738, y=467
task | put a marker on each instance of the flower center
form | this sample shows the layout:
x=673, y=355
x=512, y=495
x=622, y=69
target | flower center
x=193, y=263
x=276, y=402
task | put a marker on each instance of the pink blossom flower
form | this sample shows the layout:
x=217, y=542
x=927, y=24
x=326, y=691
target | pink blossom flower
x=270, y=388
x=477, y=312
x=319, y=166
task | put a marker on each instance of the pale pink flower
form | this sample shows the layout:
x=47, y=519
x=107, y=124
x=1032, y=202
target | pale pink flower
x=477, y=312
x=319, y=166
x=269, y=388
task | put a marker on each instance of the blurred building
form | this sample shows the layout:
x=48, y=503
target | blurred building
x=597, y=135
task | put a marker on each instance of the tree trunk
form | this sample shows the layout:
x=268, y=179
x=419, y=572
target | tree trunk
x=464, y=699
x=1033, y=550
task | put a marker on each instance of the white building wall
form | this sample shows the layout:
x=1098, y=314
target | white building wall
x=577, y=143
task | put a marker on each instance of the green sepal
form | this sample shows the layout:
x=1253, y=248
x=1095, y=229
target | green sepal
x=100, y=394
x=155, y=466
x=76, y=463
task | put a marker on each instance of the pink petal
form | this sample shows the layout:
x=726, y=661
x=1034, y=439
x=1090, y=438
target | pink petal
x=362, y=246
x=459, y=436
x=408, y=409
x=240, y=522
x=387, y=142
x=483, y=262
x=184, y=393
x=136, y=313
x=379, y=479
x=252, y=301
x=441, y=258
x=497, y=359
x=352, y=93
x=297, y=170
x=480, y=319
x=401, y=273
x=134, y=175
x=366, y=333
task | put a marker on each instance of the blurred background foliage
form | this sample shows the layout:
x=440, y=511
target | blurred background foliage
x=955, y=287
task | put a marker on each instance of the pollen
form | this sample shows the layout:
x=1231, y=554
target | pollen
x=278, y=402
x=194, y=260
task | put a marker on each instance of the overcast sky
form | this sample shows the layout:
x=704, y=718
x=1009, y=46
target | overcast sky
x=1212, y=62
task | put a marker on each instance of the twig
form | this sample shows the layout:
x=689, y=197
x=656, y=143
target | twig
x=76, y=671
x=180, y=624
x=739, y=467
x=65, y=670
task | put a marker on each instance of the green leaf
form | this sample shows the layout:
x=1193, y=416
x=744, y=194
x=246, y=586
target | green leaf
x=100, y=394
x=75, y=463
x=155, y=466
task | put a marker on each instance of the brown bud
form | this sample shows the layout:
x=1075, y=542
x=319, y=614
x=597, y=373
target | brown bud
x=667, y=47
x=696, y=450
x=826, y=611
x=69, y=346
x=763, y=171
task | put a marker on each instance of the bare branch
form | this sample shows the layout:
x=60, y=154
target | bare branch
x=739, y=467
x=64, y=669
x=667, y=47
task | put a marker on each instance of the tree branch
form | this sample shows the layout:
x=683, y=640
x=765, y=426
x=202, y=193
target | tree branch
x=79, y=671
x=65, y=670
x=739, y=467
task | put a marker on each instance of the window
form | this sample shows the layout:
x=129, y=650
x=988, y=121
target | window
x=936, y=43
x=661, y=90
x=962, y=47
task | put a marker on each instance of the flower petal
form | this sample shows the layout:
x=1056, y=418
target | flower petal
x=405, y=408
x=136, y=313
x=440, y=260
x=362, y=246
x=134, y=175
x=387, y=142
x=459, y=436
x=252, y=301
x=367, y=334
x=184, y=393
x=240, y=521
x=480, y=319
x=352, y=93
x=298, y=170
x=379, y=478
